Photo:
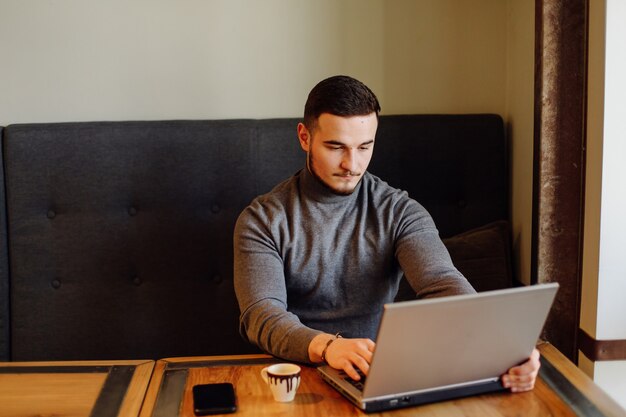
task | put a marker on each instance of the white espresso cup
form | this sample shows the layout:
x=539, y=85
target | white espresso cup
x=283, y=380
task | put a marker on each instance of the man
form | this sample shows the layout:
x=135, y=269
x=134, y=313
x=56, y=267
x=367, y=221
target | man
x=318, y=256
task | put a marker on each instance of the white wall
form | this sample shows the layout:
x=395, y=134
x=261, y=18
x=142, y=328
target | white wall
x=153, y=59
x=77, y=60
x=603, y=311
x=519, y=116
x=445, y=56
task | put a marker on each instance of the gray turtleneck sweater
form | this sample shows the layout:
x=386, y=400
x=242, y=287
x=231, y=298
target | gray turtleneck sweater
x=308, y=261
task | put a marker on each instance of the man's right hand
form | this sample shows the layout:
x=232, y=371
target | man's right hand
x=343, y=353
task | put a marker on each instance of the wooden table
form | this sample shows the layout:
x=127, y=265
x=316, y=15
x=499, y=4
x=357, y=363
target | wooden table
x=561, y=390
x=73, y=389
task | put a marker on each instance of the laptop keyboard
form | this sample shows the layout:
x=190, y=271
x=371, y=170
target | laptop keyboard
x=356, y=384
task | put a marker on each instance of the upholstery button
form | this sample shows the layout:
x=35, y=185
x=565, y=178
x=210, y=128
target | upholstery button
x=137, y=281
x=51, y=214
x=215, y=208
x=217, y=279
x=132, y=211
x=56, y=284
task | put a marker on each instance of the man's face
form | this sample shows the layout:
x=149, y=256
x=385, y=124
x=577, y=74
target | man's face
x=339, y=149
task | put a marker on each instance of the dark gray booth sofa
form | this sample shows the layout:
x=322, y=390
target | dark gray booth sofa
x=116, y=237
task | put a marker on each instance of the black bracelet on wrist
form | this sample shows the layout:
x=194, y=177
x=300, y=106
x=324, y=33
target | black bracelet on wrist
x=337, y=336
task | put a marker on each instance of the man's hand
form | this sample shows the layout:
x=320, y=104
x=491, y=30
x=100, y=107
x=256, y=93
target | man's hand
x=522, y=378
x=343, y=353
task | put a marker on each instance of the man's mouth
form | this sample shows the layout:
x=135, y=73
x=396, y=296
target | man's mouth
x=347, y=175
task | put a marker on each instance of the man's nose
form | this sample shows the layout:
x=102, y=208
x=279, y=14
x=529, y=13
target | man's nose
x=349, y=160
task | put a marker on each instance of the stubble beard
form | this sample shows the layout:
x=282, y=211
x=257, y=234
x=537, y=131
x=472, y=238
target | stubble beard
x=311, y=167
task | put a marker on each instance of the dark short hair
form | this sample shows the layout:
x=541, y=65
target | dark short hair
x=340, y=96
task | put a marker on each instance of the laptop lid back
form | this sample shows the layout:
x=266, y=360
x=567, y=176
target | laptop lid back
x=446, y=341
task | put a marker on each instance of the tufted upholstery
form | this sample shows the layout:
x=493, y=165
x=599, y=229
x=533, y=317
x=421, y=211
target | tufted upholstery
x=4, y=268
x=120, y=233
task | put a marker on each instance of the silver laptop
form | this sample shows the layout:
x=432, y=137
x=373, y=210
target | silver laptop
x=450, y=347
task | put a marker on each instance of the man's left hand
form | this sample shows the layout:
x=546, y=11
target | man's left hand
x=522, y=377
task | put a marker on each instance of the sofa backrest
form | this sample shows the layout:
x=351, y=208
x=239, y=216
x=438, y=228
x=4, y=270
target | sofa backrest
x=120, y=233
x=454, y=165
x=4, y=266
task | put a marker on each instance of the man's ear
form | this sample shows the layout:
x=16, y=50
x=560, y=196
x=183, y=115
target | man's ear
x=304, y=136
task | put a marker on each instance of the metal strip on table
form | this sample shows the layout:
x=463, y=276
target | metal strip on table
x=170, y=396
x=113, y=391
x=567, y=391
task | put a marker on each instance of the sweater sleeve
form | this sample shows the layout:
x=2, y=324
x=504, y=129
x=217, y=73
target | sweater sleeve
x=261, y=292
x=424, y=258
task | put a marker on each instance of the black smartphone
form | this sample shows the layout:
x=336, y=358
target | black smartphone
x=214, y=399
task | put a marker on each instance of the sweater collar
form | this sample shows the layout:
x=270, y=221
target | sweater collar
x=316, y=190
